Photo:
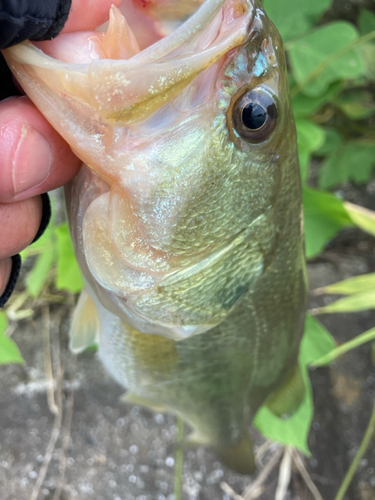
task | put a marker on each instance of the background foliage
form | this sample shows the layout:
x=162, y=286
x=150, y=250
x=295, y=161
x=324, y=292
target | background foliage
x=332, y=84
x=331, y=61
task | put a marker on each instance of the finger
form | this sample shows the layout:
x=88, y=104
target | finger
x=19, y=223
x=88, y=14
x=5, y=270
x=33, y=156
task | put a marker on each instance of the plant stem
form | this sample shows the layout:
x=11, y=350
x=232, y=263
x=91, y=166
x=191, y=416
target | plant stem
x=361, y=450
x=342, y=349
x=179, y=459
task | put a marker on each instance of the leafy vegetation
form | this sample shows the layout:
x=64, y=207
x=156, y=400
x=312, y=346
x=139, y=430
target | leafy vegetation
x=331, y=72
x=9, y=352
x=55, y=262
x=316, y=343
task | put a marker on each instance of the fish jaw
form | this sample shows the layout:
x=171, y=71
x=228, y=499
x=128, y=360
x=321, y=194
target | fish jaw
x=117, y=89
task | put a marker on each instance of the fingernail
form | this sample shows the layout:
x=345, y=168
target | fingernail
x=32, y=160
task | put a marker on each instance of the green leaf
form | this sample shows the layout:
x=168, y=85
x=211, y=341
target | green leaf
x=324, y=216
x=303, y=105
x=368, y=54
x=9, y=352
x=362, y=217
x=39, y=273
x=366, y=22
x=304, y=157
x=353, y=162
x=352, y=303
x=293, y=431
x=294, y=16
x=356, y=103
x=325, y=56
x=44, y=243
x=310, y=137
x=316, y=342
x=68, y=273
x=332, y=142
x=356, y=284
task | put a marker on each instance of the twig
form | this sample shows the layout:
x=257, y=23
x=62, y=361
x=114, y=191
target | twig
x=47, y=362
x=256, y=488
x=58, y=415
x=66, y=436
x=306, y=476
x=284, y=474
x=230, y=492
x=361, y=450
x=179, y=459
x=261, y=451
x=47, y=457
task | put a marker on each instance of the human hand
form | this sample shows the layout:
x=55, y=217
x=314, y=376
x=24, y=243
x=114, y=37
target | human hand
x=34, y=159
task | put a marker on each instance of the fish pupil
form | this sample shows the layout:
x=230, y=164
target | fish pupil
x=254, y=116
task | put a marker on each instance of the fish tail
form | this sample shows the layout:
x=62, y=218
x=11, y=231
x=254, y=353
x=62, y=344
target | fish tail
x=239, y=456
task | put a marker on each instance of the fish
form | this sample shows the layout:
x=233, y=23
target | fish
x=186, y=214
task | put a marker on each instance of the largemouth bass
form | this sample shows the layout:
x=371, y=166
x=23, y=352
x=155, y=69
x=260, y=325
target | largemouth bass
x=186, y=216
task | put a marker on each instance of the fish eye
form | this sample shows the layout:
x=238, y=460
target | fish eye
x=254, y=115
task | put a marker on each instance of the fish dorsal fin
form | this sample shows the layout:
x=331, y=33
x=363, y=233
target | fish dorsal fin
x=286, y=400
x=84, y=331
x=119, y=42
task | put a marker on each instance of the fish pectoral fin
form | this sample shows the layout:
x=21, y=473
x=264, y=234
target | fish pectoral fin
x=85, y=327
x=130, y=397
x=287, y=398
x=239, y=456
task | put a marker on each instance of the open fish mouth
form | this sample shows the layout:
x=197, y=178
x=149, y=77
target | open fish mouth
x=117, y=88
x=172, y=63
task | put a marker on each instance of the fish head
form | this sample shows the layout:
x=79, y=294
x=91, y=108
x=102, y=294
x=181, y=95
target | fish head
x=191, y=149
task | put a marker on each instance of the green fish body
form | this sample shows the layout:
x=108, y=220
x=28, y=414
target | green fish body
x=186, y=218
